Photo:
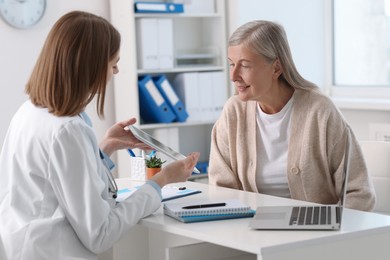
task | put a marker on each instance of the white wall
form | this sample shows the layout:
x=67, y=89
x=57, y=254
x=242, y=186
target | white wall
x=19, y=50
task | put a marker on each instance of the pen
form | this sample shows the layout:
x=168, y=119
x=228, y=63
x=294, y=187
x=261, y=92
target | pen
x=132, y=154
x=205, y=206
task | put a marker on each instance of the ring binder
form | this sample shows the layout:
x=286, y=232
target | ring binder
x=171, y=98
x=155, y=7
x=153, y=107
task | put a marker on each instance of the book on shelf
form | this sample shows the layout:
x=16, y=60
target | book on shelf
x=153, y=107
x=156, y=7
x=154, y=43
x=170, y=97
x=202, y=93
x=201, y=210
x=198, y=6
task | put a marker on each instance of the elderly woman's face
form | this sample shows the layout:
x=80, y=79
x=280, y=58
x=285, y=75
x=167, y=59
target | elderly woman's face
x=252, y=75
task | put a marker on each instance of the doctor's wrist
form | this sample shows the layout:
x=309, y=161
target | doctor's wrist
x=160, y=179
x=106, y=148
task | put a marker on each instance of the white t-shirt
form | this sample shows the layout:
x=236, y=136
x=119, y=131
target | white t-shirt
x=272, y=148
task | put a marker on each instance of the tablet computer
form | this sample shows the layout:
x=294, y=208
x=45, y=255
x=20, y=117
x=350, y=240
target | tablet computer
x=157, y=145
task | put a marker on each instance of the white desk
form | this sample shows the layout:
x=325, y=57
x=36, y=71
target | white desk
x=363, y=235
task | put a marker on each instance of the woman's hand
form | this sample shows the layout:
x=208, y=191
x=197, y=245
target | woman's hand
x=117, y=137
x=177, y=171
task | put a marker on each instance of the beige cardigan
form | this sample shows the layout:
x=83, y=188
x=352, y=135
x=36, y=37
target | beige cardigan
x=315, y=152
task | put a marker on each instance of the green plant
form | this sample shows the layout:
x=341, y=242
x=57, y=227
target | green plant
x=153, y=162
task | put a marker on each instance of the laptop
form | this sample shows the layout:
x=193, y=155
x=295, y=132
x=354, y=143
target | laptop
x=304, y=217
x=157, y=145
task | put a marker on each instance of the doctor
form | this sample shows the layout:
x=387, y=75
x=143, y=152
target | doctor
x=57, y=195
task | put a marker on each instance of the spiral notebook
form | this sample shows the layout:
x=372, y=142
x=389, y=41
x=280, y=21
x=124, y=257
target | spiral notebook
x=202, y=210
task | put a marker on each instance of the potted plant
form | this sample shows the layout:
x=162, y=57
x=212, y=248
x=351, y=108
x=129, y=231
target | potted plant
x=153, y=165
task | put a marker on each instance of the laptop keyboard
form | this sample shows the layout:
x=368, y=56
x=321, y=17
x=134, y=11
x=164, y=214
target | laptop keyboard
x=311, y=215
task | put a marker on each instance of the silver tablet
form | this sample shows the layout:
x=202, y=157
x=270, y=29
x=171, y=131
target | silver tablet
x=149, y=140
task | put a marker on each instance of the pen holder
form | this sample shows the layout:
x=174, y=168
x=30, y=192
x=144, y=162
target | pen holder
x=137, y=169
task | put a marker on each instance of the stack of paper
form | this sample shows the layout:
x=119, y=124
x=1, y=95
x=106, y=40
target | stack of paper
x=205, y=210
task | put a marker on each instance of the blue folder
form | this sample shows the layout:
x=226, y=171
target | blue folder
x=171, y=97
x=157, y=7
x=153, y=107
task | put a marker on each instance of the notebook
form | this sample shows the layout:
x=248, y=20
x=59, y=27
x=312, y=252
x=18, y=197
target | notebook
x=149, y=140
x=317, y=217
x=203, y=210
x=168, y=192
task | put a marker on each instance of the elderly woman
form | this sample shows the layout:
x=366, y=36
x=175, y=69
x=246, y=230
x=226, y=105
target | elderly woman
x=280, y=135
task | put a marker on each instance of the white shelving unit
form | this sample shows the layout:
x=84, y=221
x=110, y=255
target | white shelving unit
x=190, y=30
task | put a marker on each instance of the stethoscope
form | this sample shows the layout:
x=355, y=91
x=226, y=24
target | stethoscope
x=112, y=187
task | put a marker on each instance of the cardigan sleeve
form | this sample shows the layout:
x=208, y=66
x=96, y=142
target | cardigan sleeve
x=360, y=191
x=222, y=153
x=221, y=159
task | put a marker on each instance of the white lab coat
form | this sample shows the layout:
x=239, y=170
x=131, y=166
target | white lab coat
x=54, y=199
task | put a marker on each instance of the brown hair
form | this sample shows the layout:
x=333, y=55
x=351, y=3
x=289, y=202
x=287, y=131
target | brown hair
x=73, y=64
x=270, y=40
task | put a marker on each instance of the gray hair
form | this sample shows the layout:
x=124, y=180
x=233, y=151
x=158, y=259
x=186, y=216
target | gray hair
x=270, y=40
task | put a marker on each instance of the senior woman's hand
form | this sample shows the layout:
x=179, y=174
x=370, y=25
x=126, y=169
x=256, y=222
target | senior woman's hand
x=177, y=171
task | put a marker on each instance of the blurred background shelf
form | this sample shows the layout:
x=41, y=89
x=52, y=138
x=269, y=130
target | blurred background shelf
x=198, y=45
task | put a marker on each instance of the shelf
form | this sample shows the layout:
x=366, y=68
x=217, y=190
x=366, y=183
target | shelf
x=198, y=47
x=196, y=56
x=198, y=176
x=182, y=69
x=170, y=125
x=178, y=15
